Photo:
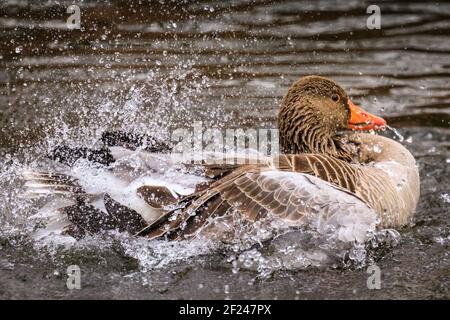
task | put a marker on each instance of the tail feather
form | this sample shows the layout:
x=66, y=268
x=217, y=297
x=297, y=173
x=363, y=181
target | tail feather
x=52, y=209
x=71, y=213
x=44, y=183
x=78, y=213
x=88, y=206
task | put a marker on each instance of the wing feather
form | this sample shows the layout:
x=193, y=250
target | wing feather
x=289, y=187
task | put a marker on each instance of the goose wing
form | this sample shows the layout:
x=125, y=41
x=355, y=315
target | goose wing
x=294, y=188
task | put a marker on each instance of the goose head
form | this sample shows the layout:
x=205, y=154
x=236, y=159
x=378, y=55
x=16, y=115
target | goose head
x=315, y=115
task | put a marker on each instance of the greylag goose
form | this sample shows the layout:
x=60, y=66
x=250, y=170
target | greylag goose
x=328, y=174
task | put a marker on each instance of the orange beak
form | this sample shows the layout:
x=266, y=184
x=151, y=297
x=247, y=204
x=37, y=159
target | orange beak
x=362, y=120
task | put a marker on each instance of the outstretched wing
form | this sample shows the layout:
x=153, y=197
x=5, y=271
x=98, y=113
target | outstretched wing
x=294, y=188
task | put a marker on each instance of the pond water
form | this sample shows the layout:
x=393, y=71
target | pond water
x=167, y=64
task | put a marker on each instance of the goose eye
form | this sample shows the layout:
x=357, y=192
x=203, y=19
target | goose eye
x=335, y=97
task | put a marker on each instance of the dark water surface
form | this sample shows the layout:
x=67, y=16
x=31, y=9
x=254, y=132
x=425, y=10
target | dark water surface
x=166, y=64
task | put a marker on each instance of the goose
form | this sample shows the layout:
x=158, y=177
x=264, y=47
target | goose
x=329, y=174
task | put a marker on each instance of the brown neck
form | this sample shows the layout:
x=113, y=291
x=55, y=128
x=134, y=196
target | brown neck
x=306, y=133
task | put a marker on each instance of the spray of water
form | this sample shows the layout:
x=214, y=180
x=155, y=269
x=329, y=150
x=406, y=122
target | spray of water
x=149, y=109
x=397, y=134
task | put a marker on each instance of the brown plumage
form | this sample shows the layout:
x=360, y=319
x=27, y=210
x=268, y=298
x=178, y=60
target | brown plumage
x=326, y=175
x=311, y=120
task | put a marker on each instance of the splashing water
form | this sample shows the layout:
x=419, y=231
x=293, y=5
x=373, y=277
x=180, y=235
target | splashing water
x=255, y=251
x=397, y=134
x=148, y=109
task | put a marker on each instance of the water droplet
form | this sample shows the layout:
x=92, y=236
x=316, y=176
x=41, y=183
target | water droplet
x=377, y=148
x=445, y=197
x=399, y=136
x=19, y=49
x=226, y=289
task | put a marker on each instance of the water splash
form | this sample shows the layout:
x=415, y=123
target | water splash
x=397, y=134
x=445, y=197
x=264, y=247
x=149, y=109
